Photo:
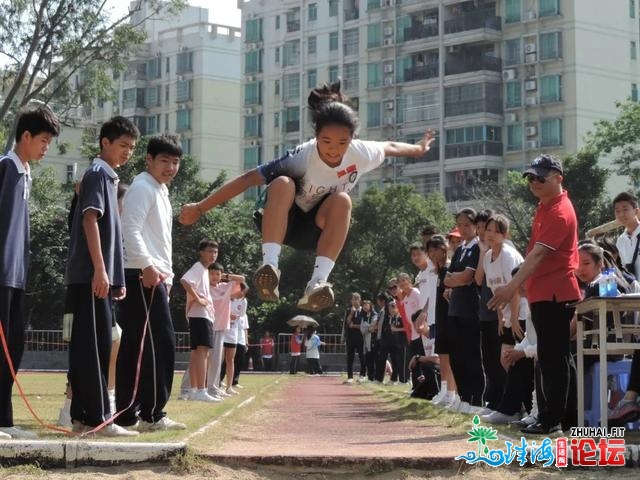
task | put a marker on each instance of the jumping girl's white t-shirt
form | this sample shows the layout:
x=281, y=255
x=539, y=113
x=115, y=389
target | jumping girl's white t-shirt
x=498, y=272
x=314, y=178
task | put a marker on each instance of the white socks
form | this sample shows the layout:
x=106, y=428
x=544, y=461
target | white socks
x=322, y=269
x=271, y=253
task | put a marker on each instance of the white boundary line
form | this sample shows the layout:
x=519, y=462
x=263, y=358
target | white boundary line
x=206, y=427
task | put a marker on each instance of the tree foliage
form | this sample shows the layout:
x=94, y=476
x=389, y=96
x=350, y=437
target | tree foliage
x=45, y=43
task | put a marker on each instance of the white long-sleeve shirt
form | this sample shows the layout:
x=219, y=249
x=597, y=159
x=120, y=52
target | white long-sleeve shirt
x=146, y=226
x=529, y=344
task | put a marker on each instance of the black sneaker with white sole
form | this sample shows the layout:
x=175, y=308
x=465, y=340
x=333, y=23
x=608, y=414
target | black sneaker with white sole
x=266, y=280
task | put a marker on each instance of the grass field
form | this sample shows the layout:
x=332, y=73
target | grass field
x=45, y=393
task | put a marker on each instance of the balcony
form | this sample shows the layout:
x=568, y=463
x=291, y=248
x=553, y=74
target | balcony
x=468, y=107
x=422, y=72
x=417, y=32
x=351, y=14
x=292, y=126
x=474, y=149
x=473, y=21
x=456, y=65
x=293, y=26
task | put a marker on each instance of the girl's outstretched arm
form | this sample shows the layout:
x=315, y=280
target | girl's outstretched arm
x=400, y=149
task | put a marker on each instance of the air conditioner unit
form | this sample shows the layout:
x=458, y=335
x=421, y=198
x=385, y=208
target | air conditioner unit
x=182, y=106
x=388, y=31
x=531, y=15
x=389, y=121
x=388, y=41
x=388, y=81
x=254, y=143
x=184, y=49
x=531, y=101
x=530, y=58
x=388, y=105
x=531, y=131
x=251, y=46
x=249, y=111
x=529, y=48
x=532, y=144
x=509, y=74
x=530, y=85
x=453, y=48
x=251, y=78
x=511, y=117
x=180, y=78
x=388, y=68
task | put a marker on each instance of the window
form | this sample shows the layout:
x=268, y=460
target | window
x=292, y=86
x=481, y=133
x=550, y=88
x=253, y=62
x=312, y=45
x=251, y=158
x=333, y=8
x=183, y=91
x=276, y=120
x=312, y=78
x=514, y=137
x=350, y=76
x=276, y=87
x=513, y=94
x=634, y=92
x=185, y=143
x=551, y=132
x=512, y=52
x=374, y=116
x=291, y=53
x=154, y=68
x=374, y=74
x=419, y=107
x=277, y=22
x=166, y=122
x=333, y=41
x=632, y=8
x=549, y=7
x=292, y=116
x=183, y=120
x=373, y=4
x=185, y=62
x=167, y=65
x=253, y=93
x=129, y=98
x=512, y=11
x=350, y=42
x=550, y=46
x=634, y=51
x=153, y=124
x=152, y=97
x=253, y=30
x=253, y=126
x=374, y=35
x=276, y=55
x=333, y=73
x=166, y=93
x=313, y=12
x=293, y=20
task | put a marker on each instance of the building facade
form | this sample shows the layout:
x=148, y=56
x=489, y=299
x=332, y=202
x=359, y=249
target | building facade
x=499, y=81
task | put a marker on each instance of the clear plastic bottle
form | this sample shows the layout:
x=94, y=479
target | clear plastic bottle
x=602, y=284
x=612, y=284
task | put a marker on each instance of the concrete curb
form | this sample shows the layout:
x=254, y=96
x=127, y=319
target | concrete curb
x=74, y=453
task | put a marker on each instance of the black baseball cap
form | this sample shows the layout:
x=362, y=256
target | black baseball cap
x=542, y=165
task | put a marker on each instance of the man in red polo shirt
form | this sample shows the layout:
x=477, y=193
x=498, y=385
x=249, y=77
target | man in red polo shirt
x=548, y=269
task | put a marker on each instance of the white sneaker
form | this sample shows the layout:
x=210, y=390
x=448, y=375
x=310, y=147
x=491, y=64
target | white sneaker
x=203, y=396
x=362, y=379
x=231, y=391
x=499, y=418
x=437, y=397
x=165, y=423
x=463, y=407
x=317, y=296
x=217, y=392
x=18, y=433
x=446, y=399
x=184, y=395
x=64, y=418
x=4, y=436
x=453, y=404
x=485, y=411
x=348, y=380
x=237, y=385
x=113, y=430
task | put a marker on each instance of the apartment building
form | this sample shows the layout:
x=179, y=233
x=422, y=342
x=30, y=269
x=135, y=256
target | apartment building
x=185, y=79
x=500, y=81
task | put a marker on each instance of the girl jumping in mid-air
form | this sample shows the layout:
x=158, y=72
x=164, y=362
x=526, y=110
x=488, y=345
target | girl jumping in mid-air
x=308, y=206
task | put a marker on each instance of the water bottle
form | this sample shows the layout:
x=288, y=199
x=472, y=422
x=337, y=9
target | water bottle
x=612, y=284
x=602, y=285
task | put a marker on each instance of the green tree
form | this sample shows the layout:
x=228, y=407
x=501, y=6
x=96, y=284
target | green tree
x=45, y=43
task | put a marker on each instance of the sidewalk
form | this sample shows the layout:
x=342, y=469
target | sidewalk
x=319, y=417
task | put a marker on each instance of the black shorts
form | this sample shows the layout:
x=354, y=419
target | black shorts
x=201, y=332
x=230, y=345
x=442, y=343
x=302, y=231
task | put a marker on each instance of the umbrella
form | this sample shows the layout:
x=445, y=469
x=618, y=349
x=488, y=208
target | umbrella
x=302, y=321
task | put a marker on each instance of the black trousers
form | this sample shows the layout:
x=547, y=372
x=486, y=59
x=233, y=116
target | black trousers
x=89, y=352
x=267, y=363
x=370, y=361
x=518, y=388
x=313, y=366
x=239, y=363
x=466, y=358
x=12, y=318
x=416, y=348
x=495, y=375
x=294, y=363
x=388, y=349
x=354, y=345
x=551, y=321
x=158, y=359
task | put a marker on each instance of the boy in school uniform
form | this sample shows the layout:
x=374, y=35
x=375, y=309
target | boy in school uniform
x=146, y=230
x=625, y=206
x=34, y=133
x=200, y=315
x=95, y=277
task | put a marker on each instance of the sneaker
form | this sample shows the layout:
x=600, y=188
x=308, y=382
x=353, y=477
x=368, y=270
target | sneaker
x=317, y=296
x=184, y=395
x=530, y=419
x=540, y=429
x=362, y=379
x=453, y=404
x=64, y=418
x=203, y=396
x=463, y=407
x=165, y=423
x=18, y=433
x=231, y=391
x=485, y=411
x=348, y=381
x=266, y=280
x=438, y=396
x=79, y=427
x=624, y=412
x=217, y=392
x=237, y=385
x=113, y=430
x=499, y=418
x=4, y=436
